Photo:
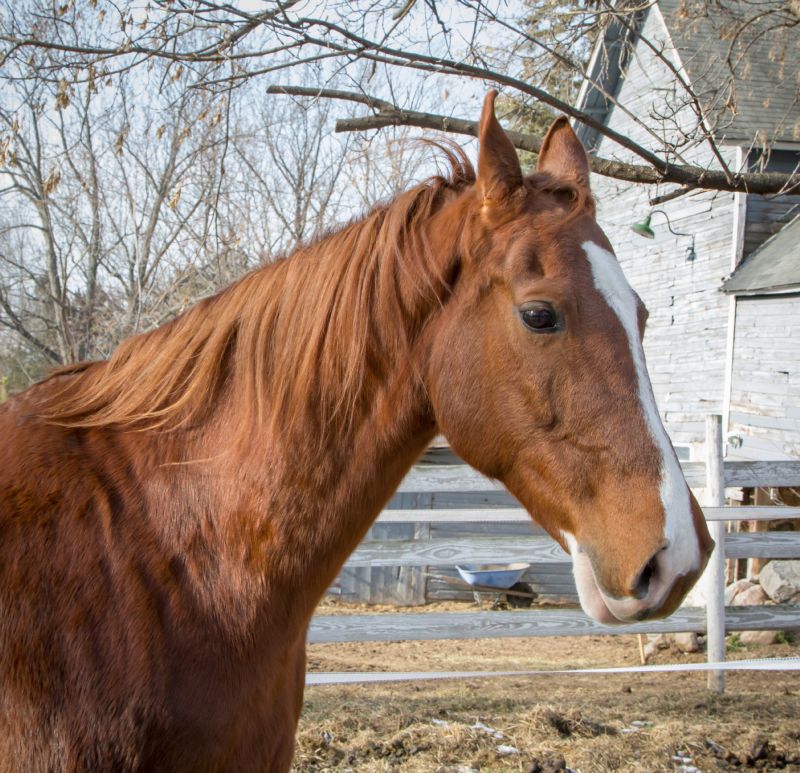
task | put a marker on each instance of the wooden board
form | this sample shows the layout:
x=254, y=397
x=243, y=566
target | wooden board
x=448, y=552
x=519, y=515
x=537, y=550
x=754, y=474
x=557, y=622
x=484, y=530
x=447, y=478
x=772, y=544
x=464, y=478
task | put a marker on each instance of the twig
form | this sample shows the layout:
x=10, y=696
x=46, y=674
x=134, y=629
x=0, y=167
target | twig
x=672, y=195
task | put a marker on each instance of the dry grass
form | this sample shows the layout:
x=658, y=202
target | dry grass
x=637, y=722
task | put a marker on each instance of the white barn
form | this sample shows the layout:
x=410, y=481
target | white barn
x=708, y=350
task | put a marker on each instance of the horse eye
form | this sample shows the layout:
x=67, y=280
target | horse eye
x=539, y=319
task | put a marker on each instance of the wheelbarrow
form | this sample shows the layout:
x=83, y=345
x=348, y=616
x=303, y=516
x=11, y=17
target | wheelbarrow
x=492, y=575
x=497, y=584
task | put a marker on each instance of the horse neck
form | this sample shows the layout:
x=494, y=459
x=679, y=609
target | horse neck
x=301, y=501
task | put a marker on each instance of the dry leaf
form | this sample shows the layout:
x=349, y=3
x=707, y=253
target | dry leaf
x=174, y=200
x=5, y=150
x=119, y=143
x=62, y=95
x=51, y=183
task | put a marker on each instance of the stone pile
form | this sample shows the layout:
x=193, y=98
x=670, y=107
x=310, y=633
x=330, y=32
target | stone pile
x=779, y=582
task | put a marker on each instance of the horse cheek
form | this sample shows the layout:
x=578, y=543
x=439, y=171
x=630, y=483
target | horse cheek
x=467, y=398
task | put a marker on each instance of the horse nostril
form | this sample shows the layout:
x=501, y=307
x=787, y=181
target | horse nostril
x=641, y=586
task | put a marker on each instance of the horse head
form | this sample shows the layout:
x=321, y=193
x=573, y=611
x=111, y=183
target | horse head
x=537, y=377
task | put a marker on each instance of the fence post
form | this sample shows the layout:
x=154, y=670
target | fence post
x=715, y=573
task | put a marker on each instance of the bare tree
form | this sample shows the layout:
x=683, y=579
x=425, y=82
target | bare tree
x=294, y=166
x=102, y=206
x=34, y=292
x=497, y=43
x=128, y=198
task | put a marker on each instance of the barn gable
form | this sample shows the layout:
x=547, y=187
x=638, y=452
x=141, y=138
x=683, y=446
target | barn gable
x=745, y=76
x=772, y=268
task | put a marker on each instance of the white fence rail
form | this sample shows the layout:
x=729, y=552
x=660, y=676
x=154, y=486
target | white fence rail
x=540, y=622
x=715, y=620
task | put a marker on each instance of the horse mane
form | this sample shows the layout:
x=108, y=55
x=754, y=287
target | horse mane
x=298, y=337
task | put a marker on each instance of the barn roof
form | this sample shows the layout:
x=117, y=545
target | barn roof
x=746, y=75
x=773, y=268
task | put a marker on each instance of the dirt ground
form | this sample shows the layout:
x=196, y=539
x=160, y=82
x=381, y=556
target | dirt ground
x=629, y=722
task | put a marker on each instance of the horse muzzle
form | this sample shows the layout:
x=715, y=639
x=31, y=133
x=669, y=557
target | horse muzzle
x=655, y=590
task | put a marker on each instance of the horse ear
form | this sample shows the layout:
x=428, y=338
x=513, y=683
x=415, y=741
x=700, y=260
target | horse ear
x=562, y=154
x=499, y=172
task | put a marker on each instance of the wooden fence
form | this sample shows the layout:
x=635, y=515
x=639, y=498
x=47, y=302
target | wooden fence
x=432, y=539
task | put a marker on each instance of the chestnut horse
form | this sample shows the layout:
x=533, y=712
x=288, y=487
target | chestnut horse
x=171, y=517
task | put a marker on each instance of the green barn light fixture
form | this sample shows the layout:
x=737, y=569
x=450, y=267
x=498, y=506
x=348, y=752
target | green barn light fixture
x=643, y=229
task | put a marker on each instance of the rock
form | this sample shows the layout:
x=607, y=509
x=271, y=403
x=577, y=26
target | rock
x=751, y=597
x=761, y=748
x=781, y=580
x=758, y=637
x=655, y=642
x=687, y=642
x=734, y=589
x=697, y=596
x=550, y=764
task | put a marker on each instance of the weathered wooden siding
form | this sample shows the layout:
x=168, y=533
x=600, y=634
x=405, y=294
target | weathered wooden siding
x=686, y=333
x=439, y=483
x=399, y=585
x=765, y=410
x=552, y=581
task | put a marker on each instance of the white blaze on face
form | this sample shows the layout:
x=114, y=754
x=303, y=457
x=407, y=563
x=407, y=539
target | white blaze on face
x=683, y=553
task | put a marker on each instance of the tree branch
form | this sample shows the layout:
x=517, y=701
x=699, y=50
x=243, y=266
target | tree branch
x=15, y=323
x=684, y=175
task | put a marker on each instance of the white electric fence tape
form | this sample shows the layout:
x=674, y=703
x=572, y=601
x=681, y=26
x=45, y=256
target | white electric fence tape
x=360, y=677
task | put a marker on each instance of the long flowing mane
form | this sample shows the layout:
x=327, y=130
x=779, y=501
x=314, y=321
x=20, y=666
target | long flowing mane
x=296, y=338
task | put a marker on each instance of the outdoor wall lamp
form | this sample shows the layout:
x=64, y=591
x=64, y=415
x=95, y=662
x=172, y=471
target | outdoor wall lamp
x=644, y=229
